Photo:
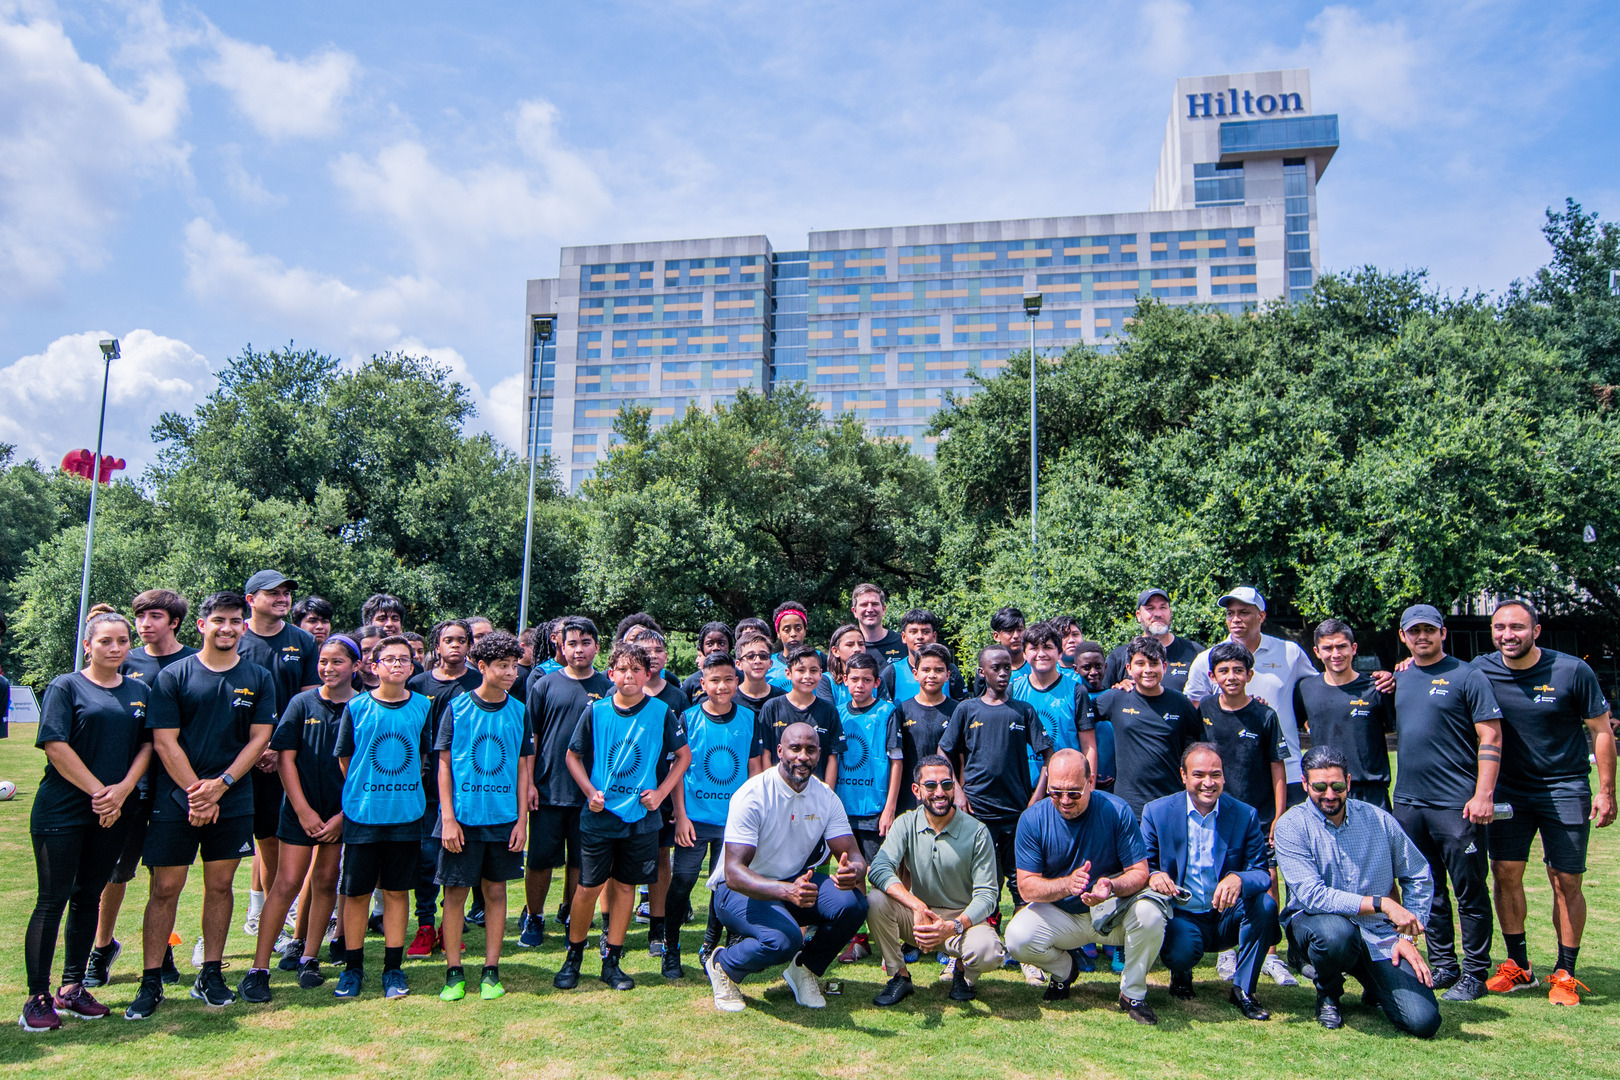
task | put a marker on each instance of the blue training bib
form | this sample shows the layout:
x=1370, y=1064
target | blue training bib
x=719, y=766
x=384, y=785
x=624, y=754
x=485, y=746
x=1055, y=707
x=863, y=770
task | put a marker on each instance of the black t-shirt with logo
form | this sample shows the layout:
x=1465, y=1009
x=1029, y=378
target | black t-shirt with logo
x=1354, y=718
x=757, y=703
x=1179, y=655
x=215, y=712
x=994, y=742
x=146, y=667
x=104, y=726
x=887, y=649
x=555, y=705
x=309, y=727
x=1544, y=714
x=291, y=657
x=779, y=714
x=1249, y=740
x=1436, y=708
x=915, y=730
x=1149, y=735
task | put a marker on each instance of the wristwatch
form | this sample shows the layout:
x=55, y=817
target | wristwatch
x=1378, y=904
x=960, y=929
x=227, y=779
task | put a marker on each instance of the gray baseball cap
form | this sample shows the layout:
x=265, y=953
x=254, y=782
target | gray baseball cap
x=267, y=579
x=1422, y=614
x=1244, y=595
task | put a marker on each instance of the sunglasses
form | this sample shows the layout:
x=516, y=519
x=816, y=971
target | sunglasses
x=754, y=656
x=939, y=785
x=1338, y=787
x=1064, y=795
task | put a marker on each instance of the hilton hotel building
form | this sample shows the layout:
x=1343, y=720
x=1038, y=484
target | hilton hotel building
x=882, y=321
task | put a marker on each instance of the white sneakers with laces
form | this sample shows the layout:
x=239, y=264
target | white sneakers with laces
x=727, y=998
x=804, y=984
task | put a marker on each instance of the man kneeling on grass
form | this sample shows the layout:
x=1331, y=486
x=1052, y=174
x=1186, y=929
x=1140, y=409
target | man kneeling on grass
x=486, y=763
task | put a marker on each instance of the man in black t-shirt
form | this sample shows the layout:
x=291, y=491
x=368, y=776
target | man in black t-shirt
x=1342, y=708
x=867, y=603
x=290, y=655
x=1152, y=726
x=1551, y=702
x=211, y=718
x=556, y=702
x=1155, y=615
x=990, y=739
x=1449, y=752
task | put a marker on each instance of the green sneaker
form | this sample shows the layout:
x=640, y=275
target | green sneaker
x=491, y=988
x=455, y=988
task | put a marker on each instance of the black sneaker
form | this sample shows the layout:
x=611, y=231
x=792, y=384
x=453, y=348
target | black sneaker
x=309, y=974
x=614, y=976
x=671, y=966
x=475, y=917
x=336, y=951
x=961, y=989
x=1058, y=989
x=255, y=986
x=171, y=974
x=894, y=991
x=567, y=976
x=98, y=968
x=1466, y=988
x=1445, y=977
x=374, y=924
x=210, y=988
x=292, y=955
x=146, y=1000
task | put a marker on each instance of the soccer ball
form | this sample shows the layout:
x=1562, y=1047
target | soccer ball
x=8, y=790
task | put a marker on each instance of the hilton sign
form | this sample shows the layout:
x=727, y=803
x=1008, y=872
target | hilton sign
x=1201, y=106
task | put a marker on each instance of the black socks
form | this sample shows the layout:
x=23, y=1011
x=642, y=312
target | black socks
x=1566, y=957
x=393, y=957
x=356, y=960
x=655, y=927
x=1516, y=950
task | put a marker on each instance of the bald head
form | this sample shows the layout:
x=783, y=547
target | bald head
x=797, y=754
x=1068, y=782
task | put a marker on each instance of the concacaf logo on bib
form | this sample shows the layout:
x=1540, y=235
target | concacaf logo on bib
x=393, y=760
x=488, y=755
x=720, y=765
x=628, y=760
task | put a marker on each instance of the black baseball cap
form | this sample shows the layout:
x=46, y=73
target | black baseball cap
x=1147, y=594
x=267, y=579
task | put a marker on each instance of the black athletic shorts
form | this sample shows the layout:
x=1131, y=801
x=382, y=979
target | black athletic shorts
x=666, y=835
x=139, y=814
x=867, y=838
x=177, y=843
x=554, y=837
x=1563, y=821
x=478, y=861
x=268, y=795
x=289, y=831
x=380, y=864
x=630, y=860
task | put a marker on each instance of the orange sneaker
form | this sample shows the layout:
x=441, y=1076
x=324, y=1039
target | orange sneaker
x=422, y=944
x=1563, y=988
x=1510, y=977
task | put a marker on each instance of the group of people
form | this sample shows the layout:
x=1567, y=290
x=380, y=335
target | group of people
x=1141, y=806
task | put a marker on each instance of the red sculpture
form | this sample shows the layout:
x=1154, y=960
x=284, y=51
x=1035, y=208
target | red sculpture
x=82, y=463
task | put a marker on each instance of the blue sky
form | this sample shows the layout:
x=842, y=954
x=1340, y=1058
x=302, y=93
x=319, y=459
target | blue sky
x=193, y=178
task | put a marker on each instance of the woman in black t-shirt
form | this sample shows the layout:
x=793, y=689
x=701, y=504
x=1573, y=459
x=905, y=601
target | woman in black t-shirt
x=93, y=730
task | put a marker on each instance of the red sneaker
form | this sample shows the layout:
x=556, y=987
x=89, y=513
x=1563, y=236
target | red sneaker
x=39, y=1015
x=422, y=944
x=78, y=1003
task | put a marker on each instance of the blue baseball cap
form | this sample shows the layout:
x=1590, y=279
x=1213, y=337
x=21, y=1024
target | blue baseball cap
x=1422, y=615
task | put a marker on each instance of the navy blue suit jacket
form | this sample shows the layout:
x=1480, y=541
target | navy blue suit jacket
x=1240, y=845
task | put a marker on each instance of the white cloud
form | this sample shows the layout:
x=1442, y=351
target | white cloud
x=283, y=98
x=249, y=188
x=1366, y=70
x=448, y=216
x=54, y=396
x=74, y=145
x=1166, y=22
x=500, y=411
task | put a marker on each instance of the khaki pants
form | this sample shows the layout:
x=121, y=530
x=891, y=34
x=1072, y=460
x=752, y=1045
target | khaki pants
x=1041, y=934
x=891, y=924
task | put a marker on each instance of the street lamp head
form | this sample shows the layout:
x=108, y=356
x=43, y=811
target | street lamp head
x=544, y=326
x=109, y=348
x=1032, y=304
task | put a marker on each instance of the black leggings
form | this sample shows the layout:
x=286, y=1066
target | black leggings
x=688, y=864
x=73, y=866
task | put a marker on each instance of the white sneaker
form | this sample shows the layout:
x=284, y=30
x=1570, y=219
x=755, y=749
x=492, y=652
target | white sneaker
x=250, y=926
x=1033, y=975
x=331, y=930
x=727, y=998
x=1226, y=965
x=1278, y=971
x=947, y=970
x=283, y=939
x=805, y=986
x=197, y=954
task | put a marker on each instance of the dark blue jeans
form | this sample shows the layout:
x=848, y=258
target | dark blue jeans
x=1334, y=946
x=770, y=932
x=1250, y=924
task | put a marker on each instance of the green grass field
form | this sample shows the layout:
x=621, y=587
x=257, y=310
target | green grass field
x=663, y=1029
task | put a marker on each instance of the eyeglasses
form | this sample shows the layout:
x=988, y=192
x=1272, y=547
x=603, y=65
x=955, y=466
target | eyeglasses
x=755, y=656
x=1338, y=787
x=939, y=785
x=1064, y=795
x=393, y=661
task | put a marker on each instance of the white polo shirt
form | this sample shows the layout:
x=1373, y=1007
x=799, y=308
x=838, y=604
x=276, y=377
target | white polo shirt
x=785, y=827
x=1278, y=665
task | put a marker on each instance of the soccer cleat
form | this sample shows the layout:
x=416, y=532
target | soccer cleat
x=98, y=968
x=804, y=984
x=78, y=1004
x=147, y=999
x=532, y=930
x=422, y=944
x=291, y=956
x=455, y=986
x=727, y=998
x=255, y=986
x=1278, y=971
x=39, y=1015
x=1563, y=986
x=1510, y=977
x=210, y=989
x=349, y=984
x=1226, y=965
x=490, y=988
x=394, y=984
x=309, y=974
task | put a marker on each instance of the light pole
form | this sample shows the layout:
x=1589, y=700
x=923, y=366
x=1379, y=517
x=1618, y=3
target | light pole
x=109, y=353
x=543, y=329
x=1032, y=309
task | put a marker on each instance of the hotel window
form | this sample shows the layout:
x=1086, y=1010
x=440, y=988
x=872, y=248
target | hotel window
x=1229, y=280
x=1175, y=281
x=1218, y=184
x=1297, y=229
